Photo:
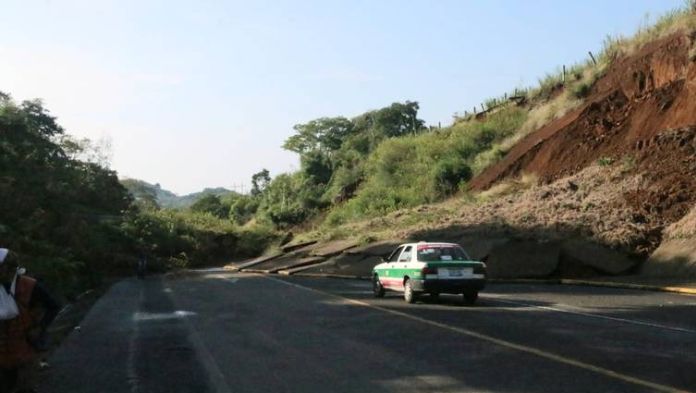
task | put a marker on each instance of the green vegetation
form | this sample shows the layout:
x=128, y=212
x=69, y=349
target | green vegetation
x=61, y=214
x=141, y=190
x=412, y=170
x=605, y=161
x=180, y=238
x=582, y=90
x=366, y=176
x=71, y=221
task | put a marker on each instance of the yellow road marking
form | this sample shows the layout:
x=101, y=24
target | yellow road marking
x=497, y=341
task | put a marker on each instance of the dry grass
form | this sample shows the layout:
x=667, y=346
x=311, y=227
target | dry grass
x=547, y=105
x=680, y=20
x=589, y=203
x=595, y=208
x=538, y=117
x=592, y=207
x=510, y=186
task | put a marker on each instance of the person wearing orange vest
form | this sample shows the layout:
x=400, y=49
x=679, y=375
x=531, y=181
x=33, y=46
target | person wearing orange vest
x=26, y=310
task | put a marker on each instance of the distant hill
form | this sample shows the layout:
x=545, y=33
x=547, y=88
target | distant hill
x=190, y=199
x=143, y=190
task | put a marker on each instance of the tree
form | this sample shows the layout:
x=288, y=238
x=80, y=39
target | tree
x=86, y=150
x=449, y=173
x=316, y=167
x=243, y=208
x=38, y=119
x=395, y=120
x=259, y=182
x=325, y=134
x=144, y=195
x=290, y=199
x=211, y=203
x=61, y=213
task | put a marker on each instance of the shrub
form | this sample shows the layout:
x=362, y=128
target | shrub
x=628, y=163
x=582, y=90
x=449, y=173
x=605, y=161
x=412, y=170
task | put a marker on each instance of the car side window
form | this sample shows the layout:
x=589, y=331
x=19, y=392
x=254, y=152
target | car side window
x=395, y=254
x=406, y=255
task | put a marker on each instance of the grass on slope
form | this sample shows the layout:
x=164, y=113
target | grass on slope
x=413, y=170
x=407, y=172
x=592, y=208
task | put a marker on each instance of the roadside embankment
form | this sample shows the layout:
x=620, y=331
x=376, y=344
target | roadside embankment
x=576, y=227
x=676, y=255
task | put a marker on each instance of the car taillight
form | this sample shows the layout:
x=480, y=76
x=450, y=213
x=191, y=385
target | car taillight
x=428, y=270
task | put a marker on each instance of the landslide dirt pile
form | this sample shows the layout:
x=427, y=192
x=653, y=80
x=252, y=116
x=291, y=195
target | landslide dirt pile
x=576, y=226
x=641, y=112
x=676, y=255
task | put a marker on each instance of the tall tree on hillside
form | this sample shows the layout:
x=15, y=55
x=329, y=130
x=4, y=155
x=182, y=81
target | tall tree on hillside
x=54, y=207
x=325, y=135
x=316, y=167
x=398, y=119
x=259, y=182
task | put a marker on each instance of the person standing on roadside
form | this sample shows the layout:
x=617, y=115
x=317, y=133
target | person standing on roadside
x=26, y=311
x=142, y=266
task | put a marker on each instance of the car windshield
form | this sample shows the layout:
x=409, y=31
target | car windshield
x=434, y=253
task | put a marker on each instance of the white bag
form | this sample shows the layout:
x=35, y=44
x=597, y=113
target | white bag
x=8, y=306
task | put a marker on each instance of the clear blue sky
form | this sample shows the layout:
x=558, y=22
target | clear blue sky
x=197, y=94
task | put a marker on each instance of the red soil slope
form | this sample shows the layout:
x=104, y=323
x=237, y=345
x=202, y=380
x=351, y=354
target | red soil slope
x=643, y=110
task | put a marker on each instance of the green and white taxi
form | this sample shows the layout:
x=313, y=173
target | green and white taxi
x=432, y=268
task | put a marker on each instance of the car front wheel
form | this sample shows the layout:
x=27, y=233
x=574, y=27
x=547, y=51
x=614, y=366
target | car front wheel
x=470, y=298
x=410, y=295
x=377, y=288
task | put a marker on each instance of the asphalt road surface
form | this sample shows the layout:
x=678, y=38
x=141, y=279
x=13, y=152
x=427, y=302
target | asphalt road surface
x=221, y=332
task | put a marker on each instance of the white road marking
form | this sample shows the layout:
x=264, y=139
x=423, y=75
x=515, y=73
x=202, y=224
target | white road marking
x=497, y=341
x=578, y=311
x=222, y=276
x=131, y=372
x=148, y=316
x=215, y=375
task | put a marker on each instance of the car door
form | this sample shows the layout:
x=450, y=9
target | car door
x=394, y=257
x=405, y=258
x=386, y=272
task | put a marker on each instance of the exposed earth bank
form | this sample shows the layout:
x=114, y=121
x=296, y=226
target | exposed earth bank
x=578, y=226
x=616, y=179
x=642, y=112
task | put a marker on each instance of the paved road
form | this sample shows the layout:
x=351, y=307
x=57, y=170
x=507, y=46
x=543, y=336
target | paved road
x=220, y=332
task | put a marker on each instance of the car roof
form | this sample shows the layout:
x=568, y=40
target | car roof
x=430, y=244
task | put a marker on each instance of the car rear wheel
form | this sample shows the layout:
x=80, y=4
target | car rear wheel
x=410, y=295
x=377, y=288
x=470, y=298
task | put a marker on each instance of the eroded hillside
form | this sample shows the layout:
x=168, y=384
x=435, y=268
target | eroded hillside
x=592, y=190
x=643, y=111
